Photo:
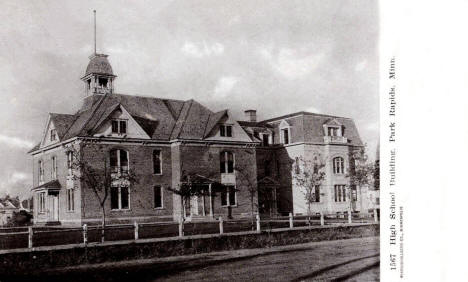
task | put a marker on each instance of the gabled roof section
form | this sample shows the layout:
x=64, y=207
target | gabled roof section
x=62, y=122
x=333, y=122
x=213, y=120
x=54, y=184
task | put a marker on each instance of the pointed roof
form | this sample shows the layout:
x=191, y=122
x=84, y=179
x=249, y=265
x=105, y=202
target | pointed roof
x=161, y=119
x=54, y=184
x=98, y=64
x=62, y=122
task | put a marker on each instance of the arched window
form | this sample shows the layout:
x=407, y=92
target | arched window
x=226, y=162
x=338, y=165
x=119, y=160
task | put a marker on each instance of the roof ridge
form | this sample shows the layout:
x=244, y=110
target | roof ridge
x=185, y=118
x=302, y=113
x=94, y=111
x=148, y=96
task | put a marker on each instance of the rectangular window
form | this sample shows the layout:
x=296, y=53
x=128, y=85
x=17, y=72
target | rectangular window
x=70, y=199
x=228, y=131
x=266, y=137
x=53, y=134
x=123, y=127
x=42, y=202
x=119, y=126
x=120, y=198
x=317, y=193
x=124, y=198
x=41, y=171
x=222, y=130
x=54, y=167
x=228, y=196
x=158, y=197
x=69, y=162
x=157, y=162
x=225, y=130
x=340, y=193
x=285, y=136
x=115, y=198
x=115, y=126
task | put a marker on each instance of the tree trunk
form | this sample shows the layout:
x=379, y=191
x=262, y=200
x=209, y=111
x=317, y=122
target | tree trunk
x=182, y=209
x=103, y=224
x=252, y=211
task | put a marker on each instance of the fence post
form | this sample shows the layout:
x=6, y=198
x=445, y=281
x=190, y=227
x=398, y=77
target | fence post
x=322, y=219
x=85, y=233
x=221, y=229
x=376, y=218
x=350, y=217
x=181, y=227
x=291, y=225
x=258, y=223
x=30, y=237
x=136, y=230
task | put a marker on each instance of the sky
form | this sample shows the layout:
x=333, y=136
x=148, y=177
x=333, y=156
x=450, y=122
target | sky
x=277, y=57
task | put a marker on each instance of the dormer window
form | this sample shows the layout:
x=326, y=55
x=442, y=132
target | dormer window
x=285, y=135
x=334, y=131
x=53, y=134
x=119, y=126
x=225, y=130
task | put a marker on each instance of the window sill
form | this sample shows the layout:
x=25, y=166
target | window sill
x=157, y=174
x=120, y=210
x=231, y=206
x=161, y=208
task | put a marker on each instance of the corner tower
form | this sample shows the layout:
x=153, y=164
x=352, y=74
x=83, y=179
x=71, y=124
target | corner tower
x=99, y=77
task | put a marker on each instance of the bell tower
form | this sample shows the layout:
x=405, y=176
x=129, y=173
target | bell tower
x=99, y=77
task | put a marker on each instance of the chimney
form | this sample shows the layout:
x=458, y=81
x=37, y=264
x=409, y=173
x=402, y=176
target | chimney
x=251, y=115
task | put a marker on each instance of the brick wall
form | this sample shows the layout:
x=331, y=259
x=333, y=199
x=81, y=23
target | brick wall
x=141, y=191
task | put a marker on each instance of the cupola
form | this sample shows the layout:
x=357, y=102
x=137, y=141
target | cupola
x=99, y=77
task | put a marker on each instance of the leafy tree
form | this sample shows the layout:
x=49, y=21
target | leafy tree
x=361, y=171
x=99, y=179
x=308, y=174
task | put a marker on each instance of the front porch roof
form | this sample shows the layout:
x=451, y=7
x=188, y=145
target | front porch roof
x=51, y=185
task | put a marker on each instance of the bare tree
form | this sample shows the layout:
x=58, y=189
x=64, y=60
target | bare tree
x=308, y=174
x=247, y=180
x=100, y=179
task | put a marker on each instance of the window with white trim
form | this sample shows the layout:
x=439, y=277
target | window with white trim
x=53, y=134
x=120, y=198
x=340, y=193
x=285, y=135
x=158, y=196
x=225, y=130
x=227, y=162
x=338, y=165
x=317, y=193
x=119, y=161
x=70, y=162
x=41, y=171
x=70, y=199
x=157, y=162
x=228, y=196
x=119, y=126
x=42, y=202
x=54, y=168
